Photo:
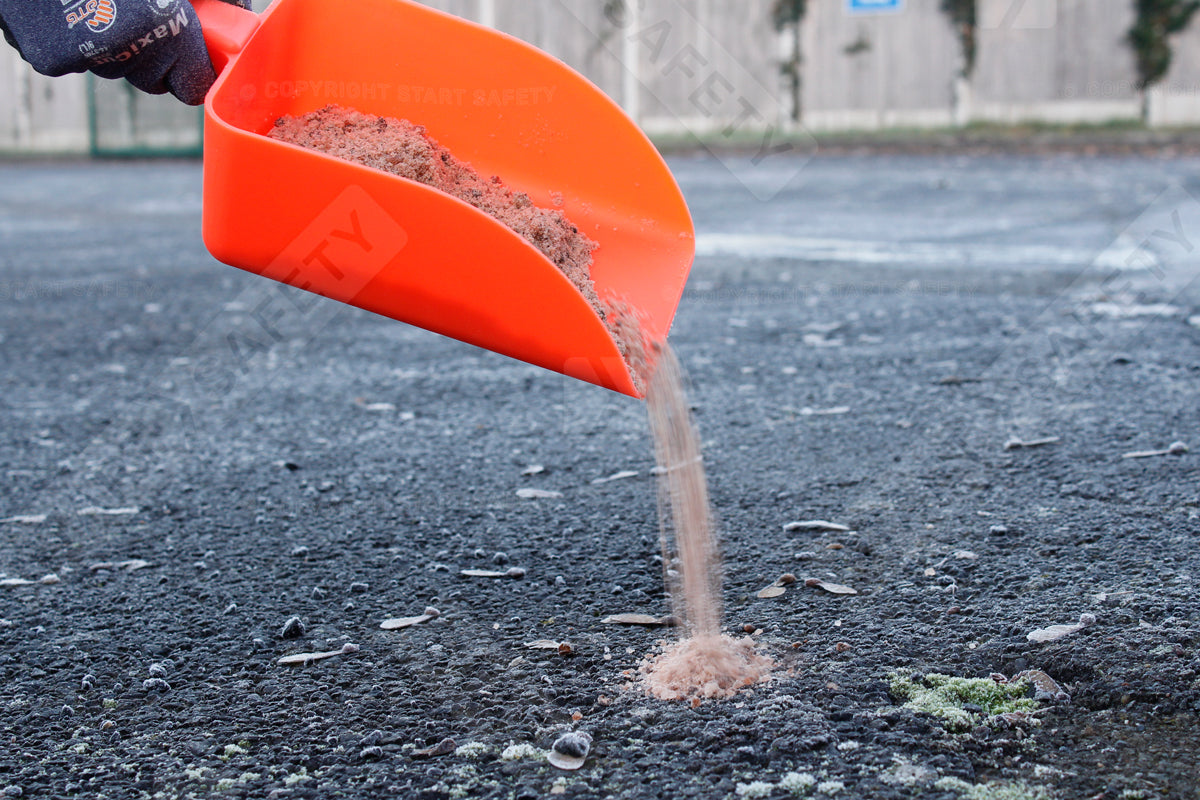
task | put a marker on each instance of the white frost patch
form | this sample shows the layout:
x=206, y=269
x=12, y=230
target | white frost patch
x=905, y=773
x=755, y=789
x=472, y=750
x=296, y=777
x=518, y=751
x=820, y=249
x=1128, y=310
x=797, y=782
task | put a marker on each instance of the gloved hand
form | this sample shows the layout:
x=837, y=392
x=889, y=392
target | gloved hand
x=156, y=45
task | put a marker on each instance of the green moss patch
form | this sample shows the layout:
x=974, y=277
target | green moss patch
x=947, y=697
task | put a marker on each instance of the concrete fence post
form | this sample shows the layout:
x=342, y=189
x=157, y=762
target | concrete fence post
x=631, y=77
x=487, y=13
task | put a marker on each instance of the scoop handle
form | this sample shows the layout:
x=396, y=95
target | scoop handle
x=227, y=28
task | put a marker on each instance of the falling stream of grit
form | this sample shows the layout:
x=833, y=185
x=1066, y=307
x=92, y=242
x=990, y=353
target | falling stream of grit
x=705, y=664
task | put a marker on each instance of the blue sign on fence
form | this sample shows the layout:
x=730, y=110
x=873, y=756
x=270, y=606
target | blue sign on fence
x=875, y=5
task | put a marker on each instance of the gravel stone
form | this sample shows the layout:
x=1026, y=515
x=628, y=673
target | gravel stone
x=292, y=629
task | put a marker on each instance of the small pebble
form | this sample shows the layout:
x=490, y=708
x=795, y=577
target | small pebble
x=318, y=593
x=570, y=750
x=359, y=587
x=292, y=629
x=155, y=685
x=998, y=530
x=87, y=682
x=230, y=609
x=841, y=647
x=299, y=551
x=500, y=558
x=372, y=753
x=157, y=670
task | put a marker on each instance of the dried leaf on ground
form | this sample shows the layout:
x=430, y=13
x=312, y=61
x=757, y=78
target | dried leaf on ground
x=537, y=494
x=512, y=572
x=636, y=619
x=815, y=525
x=777, y=588
x=1055, y=632
x=132, y=565
x=7, y=582
x=824, y=412
x=397, y=623
x=1045, y=688
x=1174, y=449
x=443, y=748
x=542, y=644
x=96, y=511
x=26, y=519
x=308, y=658
x=1016, y=444
x=616, y=476
x=832, y=588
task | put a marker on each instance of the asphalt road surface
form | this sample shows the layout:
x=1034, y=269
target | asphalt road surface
x=951, y=358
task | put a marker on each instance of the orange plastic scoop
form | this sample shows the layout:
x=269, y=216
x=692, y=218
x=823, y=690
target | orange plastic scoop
x=410, y=252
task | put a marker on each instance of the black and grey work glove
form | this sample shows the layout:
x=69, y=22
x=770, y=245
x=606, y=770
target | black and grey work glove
x=155, y=44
